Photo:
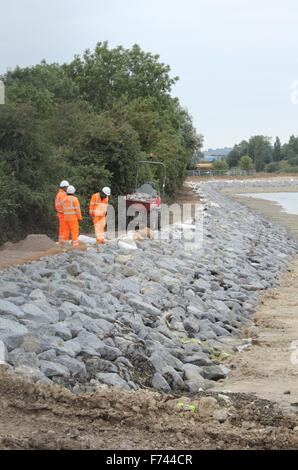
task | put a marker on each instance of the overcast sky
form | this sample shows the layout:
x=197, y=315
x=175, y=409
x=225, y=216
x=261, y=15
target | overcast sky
x=236, y=59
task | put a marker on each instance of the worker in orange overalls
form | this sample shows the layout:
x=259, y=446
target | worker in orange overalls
x=98, y=213
x=72, y=216
x=61, y=195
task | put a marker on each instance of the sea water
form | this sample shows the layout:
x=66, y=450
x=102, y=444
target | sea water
x=288, y=201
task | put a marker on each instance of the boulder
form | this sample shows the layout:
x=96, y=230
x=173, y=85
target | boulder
x=51, y=369
x=74, y=366
x=12, y=333
x=213, y=373
x=112, y=379
x=40, y=315
x=9, y=309
x=160, y=383
x=19, y=357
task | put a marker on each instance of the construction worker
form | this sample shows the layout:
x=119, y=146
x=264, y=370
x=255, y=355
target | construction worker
x=72, y=216
x=61, y=195
x=98, y=212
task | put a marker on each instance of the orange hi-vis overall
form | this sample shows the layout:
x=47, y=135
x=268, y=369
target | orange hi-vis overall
x=61, y=195
x=72, y=215
x=98, y=211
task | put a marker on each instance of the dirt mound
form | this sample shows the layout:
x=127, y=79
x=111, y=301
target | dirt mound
x=33, y=243
x=31, y=248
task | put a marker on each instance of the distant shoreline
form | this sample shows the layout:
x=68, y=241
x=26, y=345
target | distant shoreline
x=269, y=209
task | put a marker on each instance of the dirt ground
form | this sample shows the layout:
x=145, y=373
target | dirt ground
x=257, y=406
x=31, y=249
x=50, y=417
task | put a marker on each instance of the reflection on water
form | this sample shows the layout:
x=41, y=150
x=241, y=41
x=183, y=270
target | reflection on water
x=288, y=201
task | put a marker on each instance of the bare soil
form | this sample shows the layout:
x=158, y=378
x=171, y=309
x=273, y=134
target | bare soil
x=31, y=249
x=50, y=417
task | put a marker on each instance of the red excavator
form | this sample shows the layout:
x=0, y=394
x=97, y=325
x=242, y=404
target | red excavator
x=146, y=201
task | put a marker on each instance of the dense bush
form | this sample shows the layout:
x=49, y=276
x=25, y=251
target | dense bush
x=89, y=121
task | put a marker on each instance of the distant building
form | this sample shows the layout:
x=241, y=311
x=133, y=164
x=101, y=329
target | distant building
x=212, y=155
x=213, y=158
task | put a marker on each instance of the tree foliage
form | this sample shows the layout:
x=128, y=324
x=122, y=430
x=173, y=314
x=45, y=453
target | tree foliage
x=246, y=163
x=88, y=121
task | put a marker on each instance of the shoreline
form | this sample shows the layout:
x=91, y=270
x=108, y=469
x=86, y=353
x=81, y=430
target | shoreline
x=269, y=368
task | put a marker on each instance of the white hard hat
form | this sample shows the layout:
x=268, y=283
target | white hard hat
x=71, y=190
x=106, y=191
x=64, y=184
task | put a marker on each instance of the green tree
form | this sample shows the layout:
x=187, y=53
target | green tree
x=290, y=151
x=260, y=151
x=236, y=153
x=221, y=165
x=246, y=163
x=276, y=154
x=107, y=73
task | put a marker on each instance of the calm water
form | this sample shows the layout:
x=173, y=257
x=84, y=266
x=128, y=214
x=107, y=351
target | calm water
x=288, y=201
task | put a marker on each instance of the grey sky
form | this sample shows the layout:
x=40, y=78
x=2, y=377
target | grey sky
x=236, y=59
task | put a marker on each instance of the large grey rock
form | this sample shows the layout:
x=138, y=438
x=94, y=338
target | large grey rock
x=61, y=330
x=37, y=294
x=37, y=314
x=72, y=347
x=12, y=333
x=201, y=285
x=19, y=357
x=68, y=294
x=74, y=366
x=192, y=326
x=143, y=307
x=92, y=345
x=198, y=359
x=112, y=380
x=49, y=355
x=51, y=369
x=45, y=343
x=9, y=309
x=74, y=269
x=161, y=359
x=174, y=379
x=213, y=373
x=128, y=285
x=193, y=373
x=88, y=301
x=160, y=383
